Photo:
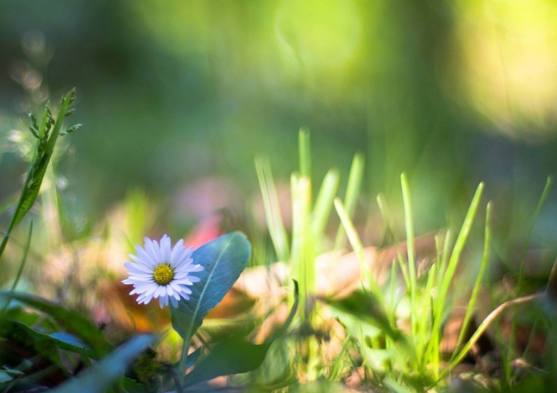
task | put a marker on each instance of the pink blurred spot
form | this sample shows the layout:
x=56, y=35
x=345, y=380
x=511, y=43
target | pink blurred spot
x=205, y=231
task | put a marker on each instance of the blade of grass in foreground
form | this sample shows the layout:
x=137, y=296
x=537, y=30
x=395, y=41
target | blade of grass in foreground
x=479, y=279
x=355, y=242
x=446, y=278
x=324, y=203
x=304, y=152
x=352, y=190
x=409, y=225
x=302, y=255
x=272, y=208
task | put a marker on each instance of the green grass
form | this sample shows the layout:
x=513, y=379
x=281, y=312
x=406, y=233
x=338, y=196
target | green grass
x=389, y=330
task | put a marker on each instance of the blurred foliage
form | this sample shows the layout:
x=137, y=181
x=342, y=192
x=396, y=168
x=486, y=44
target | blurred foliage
x=174, y=91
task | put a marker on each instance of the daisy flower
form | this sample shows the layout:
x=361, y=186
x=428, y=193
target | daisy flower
x=160, y=271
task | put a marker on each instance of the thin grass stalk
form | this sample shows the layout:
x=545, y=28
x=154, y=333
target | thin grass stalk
x=367, y=280
x=479, y=279
x=410, y=248
x=532, y=221
x=304, y=152
x=447, y=275
x=302, y=257
x=324, y=204
x=272, y=208
x=352, y=190
x=485, y=325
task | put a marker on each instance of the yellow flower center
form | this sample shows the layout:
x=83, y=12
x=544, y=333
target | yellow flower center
x=163, y=273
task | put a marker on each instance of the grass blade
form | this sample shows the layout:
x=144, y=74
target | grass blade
x=324, y=203
x=410, y=247
x=447, y=275
x=357, y=246
x=272, y=208
x=479, y=278
x=486, y=323
x=352, y=190
x=20, y=269
x=304, y=152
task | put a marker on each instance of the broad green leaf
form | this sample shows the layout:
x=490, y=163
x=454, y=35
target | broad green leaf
x=69, y=320
x=223, y=260
x=233, y=356
x=99, y=377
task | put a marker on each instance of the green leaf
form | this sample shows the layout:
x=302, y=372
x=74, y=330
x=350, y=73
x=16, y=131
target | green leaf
x=99, y=377
x=70, y=320
x=233, y=356
x=223, y=260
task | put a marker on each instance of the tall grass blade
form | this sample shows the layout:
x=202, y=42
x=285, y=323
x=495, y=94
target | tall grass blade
x=304, y=152
x=355, y=242
x=324, y=203
x=352, y=191
x=410, y=246
x=447, y=275
x=479, y=278
x=302, y=256
x=272, y=208
x=461, y=242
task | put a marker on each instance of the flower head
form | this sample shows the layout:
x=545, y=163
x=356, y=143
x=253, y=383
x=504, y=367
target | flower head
x=160, y=271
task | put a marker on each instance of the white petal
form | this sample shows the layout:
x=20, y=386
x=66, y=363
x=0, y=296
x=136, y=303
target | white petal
x=183, y=263
x=144, y=256
x=177, y=250
x=142, y=278
x=194, y=279
x=165, y=247
x=182, y=281
x=152, y=249
x=163, y=301
x=136, y=268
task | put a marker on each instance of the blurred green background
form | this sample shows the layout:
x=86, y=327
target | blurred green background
x=173, y=93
